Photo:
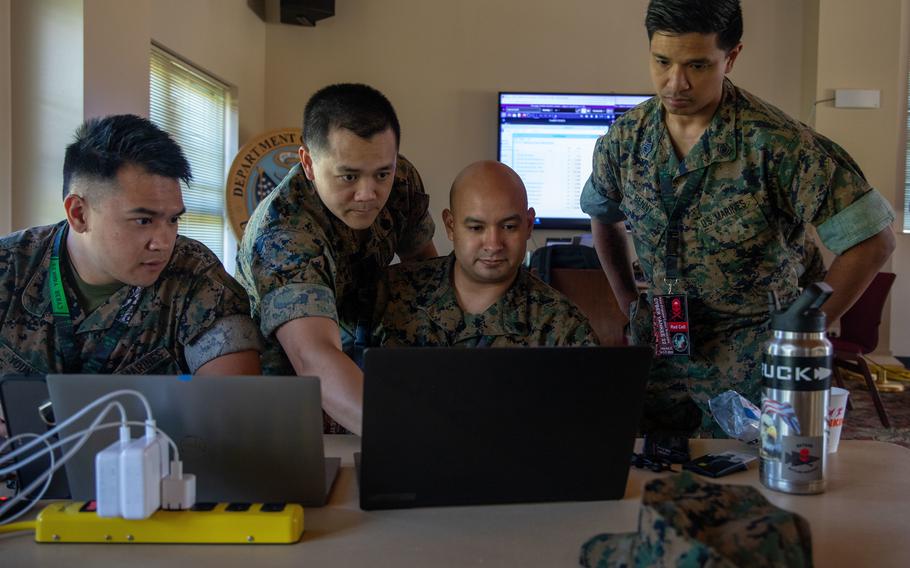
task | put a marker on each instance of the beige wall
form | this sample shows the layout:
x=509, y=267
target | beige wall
x=116, y=57
x=46, y=103
x=98, y=64
x=810, y=62
x=442, y=63
x=5, y=120
x=859, y=48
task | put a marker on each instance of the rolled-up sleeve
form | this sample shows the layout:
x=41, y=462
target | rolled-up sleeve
x=598, y=206
x=827, y=188
x=231, y=334
x=862, y=219
x=601, y=195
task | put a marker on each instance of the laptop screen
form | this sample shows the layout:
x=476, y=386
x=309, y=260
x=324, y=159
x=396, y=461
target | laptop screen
x=451, y=426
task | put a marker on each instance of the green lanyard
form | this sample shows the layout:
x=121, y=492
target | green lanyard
x=63, y=321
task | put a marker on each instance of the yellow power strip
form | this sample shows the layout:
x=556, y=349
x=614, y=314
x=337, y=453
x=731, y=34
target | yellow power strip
x=221, y=523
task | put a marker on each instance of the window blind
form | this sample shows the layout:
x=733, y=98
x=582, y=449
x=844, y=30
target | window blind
x=191, y=107
x=907, y=166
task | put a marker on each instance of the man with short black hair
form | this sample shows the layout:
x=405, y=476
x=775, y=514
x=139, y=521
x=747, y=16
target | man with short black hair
x=113, y=288
x=718, y=187
x=312, y=250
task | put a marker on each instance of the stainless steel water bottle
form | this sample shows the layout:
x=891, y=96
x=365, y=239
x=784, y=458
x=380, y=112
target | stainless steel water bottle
x=796, y=383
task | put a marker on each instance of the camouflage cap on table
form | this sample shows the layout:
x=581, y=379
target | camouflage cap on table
x=687, y=522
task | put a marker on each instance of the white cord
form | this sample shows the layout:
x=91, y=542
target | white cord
x=71, y=437
x=85, y=410
x=46, y=436
x=43, y=489
x=46, y=476
x=50, y=471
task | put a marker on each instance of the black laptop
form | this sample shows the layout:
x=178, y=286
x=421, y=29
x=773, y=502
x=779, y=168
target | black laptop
x=25, y=409
x=451, y=426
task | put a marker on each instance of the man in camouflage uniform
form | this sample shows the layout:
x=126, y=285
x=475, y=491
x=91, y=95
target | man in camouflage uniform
x=480, y=295
x=718, y=187
x=113, y=288
x=312, y=251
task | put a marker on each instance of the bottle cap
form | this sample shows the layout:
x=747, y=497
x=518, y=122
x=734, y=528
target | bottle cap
x=805, y=314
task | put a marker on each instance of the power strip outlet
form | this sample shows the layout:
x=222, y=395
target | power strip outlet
x=205, y=523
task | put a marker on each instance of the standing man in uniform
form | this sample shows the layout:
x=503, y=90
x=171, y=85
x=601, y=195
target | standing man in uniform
x=113, y=288
x=718, y=187
x=312, y=251
x=480, y=295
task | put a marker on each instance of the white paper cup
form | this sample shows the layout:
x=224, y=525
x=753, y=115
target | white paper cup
x=837, y=405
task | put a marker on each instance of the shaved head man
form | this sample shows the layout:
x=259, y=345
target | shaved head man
x=489, y=224
x=480, y=295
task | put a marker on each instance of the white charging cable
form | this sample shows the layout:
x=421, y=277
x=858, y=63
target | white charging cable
x=179, y=489
x=50, y=471
x=88, y=431
x=85, y=410
x=47, y=483
x=45, y=437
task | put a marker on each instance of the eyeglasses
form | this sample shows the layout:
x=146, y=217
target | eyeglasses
x=655, y=464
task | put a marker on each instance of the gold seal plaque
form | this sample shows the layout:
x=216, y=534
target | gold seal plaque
x=257, y=169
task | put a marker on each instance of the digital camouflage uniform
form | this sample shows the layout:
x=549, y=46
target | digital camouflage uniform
x=192, y=314
x=297, y=259
x=416, y=306
x=766, y=176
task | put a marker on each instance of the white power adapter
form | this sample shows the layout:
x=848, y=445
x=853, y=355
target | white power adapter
x=140, y=477
x=133, y=478
x=178, y=490
x=107, y=476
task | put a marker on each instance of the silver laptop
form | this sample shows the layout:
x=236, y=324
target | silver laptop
x=247, y=439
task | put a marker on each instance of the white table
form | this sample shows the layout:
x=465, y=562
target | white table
x=862, y=520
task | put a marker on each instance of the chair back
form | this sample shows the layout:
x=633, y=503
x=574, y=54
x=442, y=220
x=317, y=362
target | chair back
x=590, y=290
x=545, y=259
x=859, y=325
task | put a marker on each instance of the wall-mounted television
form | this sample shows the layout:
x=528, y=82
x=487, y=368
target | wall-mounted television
x=548, y=138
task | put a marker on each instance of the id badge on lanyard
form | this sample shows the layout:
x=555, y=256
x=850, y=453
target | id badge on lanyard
x=670, y=312
x=670, y=321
